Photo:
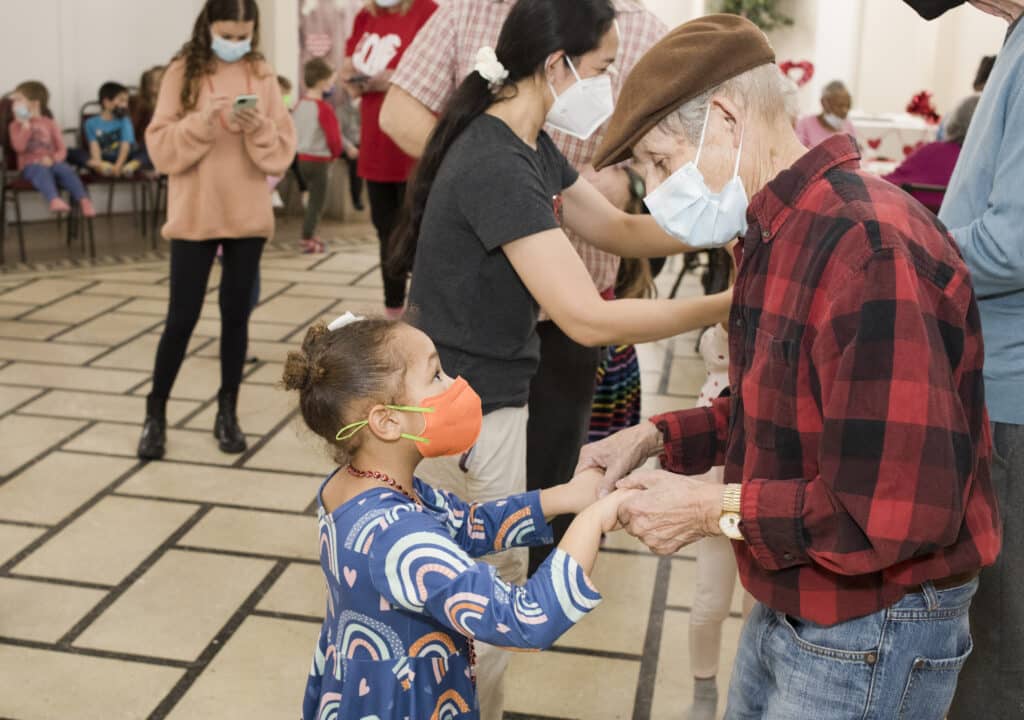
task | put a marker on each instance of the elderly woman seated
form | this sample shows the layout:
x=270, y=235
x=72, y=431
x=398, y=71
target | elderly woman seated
x=833, y=118
x=926, y=172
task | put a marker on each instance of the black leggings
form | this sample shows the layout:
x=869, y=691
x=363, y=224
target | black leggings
x=191, y=261
x=385, y=206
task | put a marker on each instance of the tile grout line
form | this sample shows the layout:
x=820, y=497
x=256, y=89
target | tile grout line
x=644, y=698
x=48, y=303
x=123, y=586
x=227, y=506
x=11, y=563
x=15, y=408
x=94, y=653
x=86, y=425
x=88, y=319
x=246, y=555
x=264, y=439
x=218, y=642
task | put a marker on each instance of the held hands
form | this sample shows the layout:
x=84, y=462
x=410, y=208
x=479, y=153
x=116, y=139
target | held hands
x=620, y=453
x=582, y=491
x=668, y=511
x=608, y=510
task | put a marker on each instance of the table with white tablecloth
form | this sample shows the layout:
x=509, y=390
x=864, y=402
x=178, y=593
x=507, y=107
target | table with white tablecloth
x=891, y=136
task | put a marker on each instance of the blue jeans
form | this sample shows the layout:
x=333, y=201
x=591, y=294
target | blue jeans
x=46, y=179
x=896, y=664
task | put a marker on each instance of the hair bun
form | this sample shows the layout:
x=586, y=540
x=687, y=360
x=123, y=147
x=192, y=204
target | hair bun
x=298, y=371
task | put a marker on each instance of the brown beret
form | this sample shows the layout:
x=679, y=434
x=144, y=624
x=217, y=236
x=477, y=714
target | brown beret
x=690, y=60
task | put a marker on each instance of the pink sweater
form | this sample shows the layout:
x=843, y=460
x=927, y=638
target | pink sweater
x=217, y=175
x=38, y=140
x=811, y=132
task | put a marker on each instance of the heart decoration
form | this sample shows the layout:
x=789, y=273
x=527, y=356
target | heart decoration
x=874, y=143
x=503, y=628
x=350, y=575
x=364, y=688
x=805, y=69
x=385, y=606
x=907, y=149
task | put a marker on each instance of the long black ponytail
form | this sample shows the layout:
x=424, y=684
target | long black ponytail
x=533, y=31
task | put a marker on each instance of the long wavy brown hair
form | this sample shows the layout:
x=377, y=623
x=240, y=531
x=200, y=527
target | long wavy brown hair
x=198, y=52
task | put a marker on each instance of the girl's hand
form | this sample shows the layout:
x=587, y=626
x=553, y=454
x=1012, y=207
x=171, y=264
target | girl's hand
x=214, y=107
x=607, y=509
x=251, y=120
x=46, y=161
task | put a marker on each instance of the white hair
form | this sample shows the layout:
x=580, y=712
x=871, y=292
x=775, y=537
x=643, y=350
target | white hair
x=761, y=91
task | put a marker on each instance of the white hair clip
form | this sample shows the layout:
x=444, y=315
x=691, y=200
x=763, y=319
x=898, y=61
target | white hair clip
x=343, y=320
x=489, y=67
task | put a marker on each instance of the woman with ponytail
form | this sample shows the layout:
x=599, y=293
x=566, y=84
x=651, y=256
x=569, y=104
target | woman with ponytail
x=484, y=226
x=217, y=159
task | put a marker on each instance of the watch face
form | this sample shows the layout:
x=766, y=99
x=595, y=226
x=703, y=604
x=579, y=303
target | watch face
x=729, y=524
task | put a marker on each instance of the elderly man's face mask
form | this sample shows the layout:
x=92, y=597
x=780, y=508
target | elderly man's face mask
x=685, y=207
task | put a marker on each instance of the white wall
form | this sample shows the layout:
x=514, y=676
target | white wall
x=674, y=12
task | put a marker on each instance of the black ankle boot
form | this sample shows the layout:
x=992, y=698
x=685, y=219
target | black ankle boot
x=229, y=436
x=153, y=442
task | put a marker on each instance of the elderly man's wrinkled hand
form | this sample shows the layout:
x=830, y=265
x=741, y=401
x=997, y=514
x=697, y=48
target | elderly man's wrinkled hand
x=672, y=511
x=620, y=453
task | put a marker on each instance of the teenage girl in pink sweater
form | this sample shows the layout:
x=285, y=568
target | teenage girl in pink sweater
x=217, y=159
x=41, y=151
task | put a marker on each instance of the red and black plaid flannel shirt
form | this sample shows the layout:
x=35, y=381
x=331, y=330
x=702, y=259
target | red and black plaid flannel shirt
x=857, y=421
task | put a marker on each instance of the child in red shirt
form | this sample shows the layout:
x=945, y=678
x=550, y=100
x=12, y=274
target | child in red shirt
x=380, y=35
x=319, y=144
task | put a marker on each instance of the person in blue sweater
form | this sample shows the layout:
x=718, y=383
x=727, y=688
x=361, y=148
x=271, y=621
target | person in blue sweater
x=984, y=211
x=405, y=596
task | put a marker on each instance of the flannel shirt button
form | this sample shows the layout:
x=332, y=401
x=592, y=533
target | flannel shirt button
x=787, y=556
x=766, y=234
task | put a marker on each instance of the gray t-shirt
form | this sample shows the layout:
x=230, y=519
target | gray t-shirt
x=492, y=189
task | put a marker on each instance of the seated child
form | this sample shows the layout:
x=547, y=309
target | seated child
x=111, y=138
x=319, y=143
x=142, y=110
x=41, y=152
x=405, y=597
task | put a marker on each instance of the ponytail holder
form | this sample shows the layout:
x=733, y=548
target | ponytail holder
x=343, y=320
x=490, y=68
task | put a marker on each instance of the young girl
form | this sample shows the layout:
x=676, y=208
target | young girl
x=37, y=140
x=217, y=158
x=143, y=108
x=405, y=598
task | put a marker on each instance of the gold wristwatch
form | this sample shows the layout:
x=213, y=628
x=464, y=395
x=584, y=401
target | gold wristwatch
x=729, y=520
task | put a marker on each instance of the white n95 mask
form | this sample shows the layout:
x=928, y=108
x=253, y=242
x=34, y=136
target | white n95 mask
x=584, y=107
x=686, y=208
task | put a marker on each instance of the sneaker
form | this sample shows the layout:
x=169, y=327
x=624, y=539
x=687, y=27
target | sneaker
x=312, y=246
x=57, y=205
x=130, y=168
x=87, y=208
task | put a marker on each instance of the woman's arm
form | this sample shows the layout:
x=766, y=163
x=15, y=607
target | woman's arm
x=177, y=142
x=589, y=214
x=556, y=277
x=348, y=70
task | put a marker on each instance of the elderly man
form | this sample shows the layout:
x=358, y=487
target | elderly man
x=833, y=118
x=984, y=209
x=855, y=439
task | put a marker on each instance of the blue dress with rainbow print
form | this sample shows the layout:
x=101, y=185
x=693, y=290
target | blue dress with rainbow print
x=404, y=595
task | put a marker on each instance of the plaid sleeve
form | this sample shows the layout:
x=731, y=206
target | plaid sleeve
x=896, y=456
x=429, y=68
x=694, y=439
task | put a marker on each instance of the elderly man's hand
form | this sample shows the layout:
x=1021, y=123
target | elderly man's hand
x=673, y=511
x=620, y=453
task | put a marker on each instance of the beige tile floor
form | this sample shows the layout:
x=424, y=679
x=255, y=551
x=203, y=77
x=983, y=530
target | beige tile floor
x=189, y=588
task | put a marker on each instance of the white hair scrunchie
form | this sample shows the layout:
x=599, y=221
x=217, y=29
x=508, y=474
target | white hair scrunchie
x=489, y=67
x=343, y=320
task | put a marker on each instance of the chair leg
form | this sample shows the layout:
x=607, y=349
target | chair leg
x=87, y=225
x=143, y=214
x=110, y=199
x=3, y=224
x=21, y=230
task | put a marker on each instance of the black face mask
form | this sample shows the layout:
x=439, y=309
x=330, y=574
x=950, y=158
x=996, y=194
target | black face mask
x=931, y=9
x=119, y=112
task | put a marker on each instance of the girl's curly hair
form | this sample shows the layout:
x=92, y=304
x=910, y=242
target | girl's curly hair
x=198, y=52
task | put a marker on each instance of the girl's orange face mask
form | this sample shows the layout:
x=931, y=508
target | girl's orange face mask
x=452, y=421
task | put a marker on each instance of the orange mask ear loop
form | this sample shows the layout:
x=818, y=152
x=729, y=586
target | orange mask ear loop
x=353, y=428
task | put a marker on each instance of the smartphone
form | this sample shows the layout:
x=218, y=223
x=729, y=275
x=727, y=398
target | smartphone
x=243, y=102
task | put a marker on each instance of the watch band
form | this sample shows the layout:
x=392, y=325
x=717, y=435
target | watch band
x=731, y=497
